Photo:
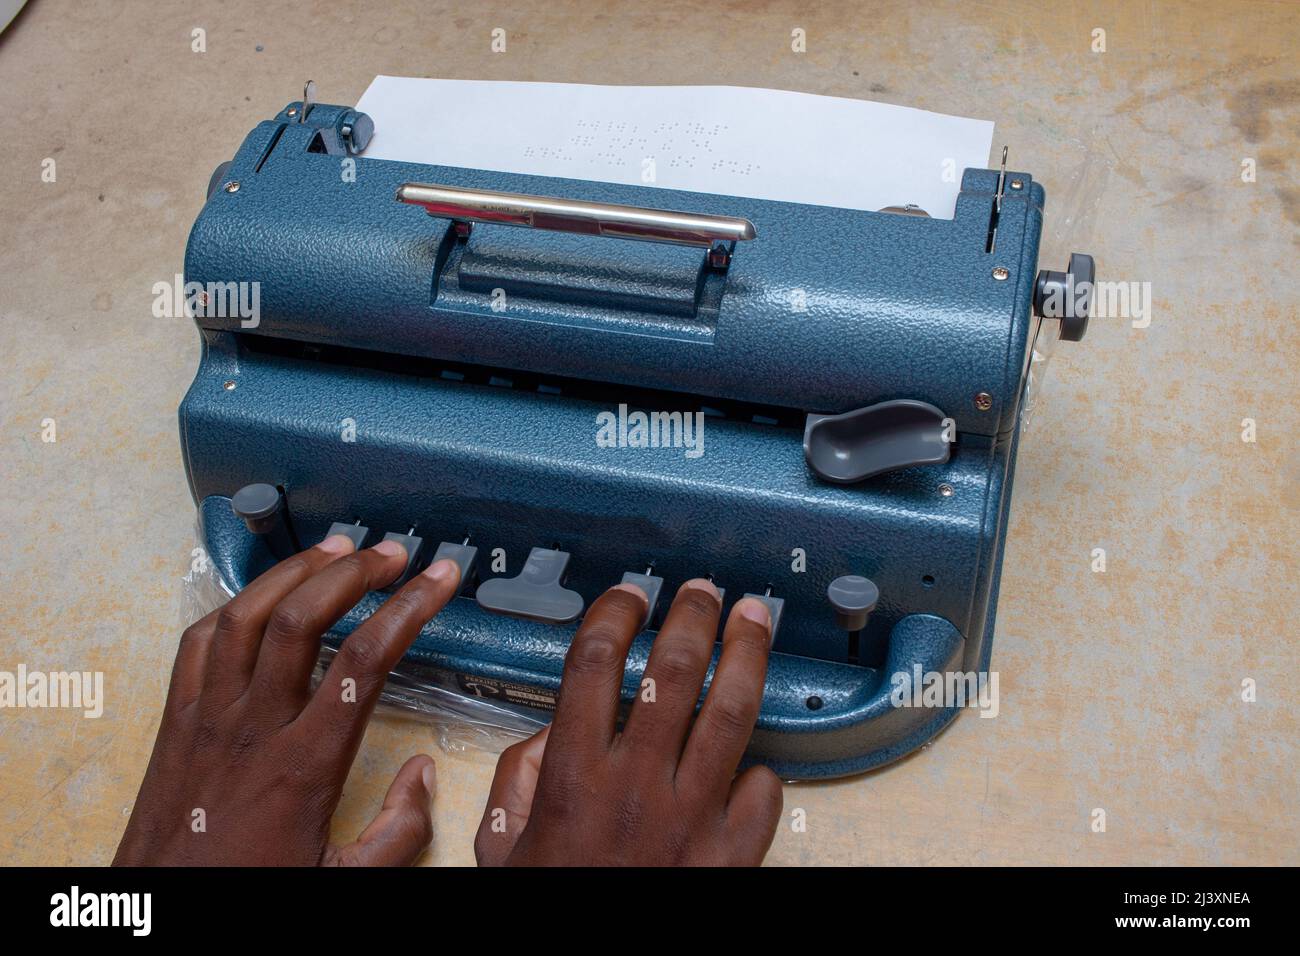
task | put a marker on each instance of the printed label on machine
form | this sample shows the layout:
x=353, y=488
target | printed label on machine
x=507, y=691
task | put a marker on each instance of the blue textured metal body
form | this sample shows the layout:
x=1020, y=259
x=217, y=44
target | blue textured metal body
x=474, y=421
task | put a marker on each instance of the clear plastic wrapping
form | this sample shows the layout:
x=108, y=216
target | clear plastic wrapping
x=1041, y=346
x=460, y=720
x=1073, y=205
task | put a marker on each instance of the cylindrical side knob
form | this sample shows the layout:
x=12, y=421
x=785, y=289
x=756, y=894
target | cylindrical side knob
x=258, y=506
x=854, y=598
x=1067, y=296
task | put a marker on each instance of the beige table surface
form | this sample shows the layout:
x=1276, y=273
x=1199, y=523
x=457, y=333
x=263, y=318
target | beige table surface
x=1120, y=691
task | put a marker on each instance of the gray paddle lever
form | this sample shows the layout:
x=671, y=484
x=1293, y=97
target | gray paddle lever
x=871, y=441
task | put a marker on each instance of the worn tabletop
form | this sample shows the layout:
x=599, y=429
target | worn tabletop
x=1155, y=690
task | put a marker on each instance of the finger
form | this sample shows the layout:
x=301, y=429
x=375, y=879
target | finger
x=510, y=801
x=239, y=625
x=587, y=709
x=726, y=722
x=753, y=814
x=191, y=664
x=293, y=631
x=336, y=717
x=678, y=663
x=403, y=828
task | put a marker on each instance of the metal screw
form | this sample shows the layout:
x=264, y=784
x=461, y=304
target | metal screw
x=232, y=186
x=946, y=490
x=1001, y=272
x=1017, y=184
x=983, y=401
x=292, y=111
x=229, y=385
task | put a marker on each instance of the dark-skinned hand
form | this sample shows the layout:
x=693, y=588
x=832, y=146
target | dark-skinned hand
x=249, y=764
x=664, y=790
x=246, y=751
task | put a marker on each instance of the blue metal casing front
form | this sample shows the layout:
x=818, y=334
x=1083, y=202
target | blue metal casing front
x=471, y=420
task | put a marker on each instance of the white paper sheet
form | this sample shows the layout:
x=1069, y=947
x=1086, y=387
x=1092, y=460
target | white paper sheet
x=736, y=141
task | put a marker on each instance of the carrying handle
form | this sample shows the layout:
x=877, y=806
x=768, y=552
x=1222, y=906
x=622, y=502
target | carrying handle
x=718, y=234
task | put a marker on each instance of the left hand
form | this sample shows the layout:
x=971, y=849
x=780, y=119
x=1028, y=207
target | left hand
x=249, y=765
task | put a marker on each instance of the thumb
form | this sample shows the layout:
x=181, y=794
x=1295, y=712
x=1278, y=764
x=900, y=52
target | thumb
x=510, y=801
x=403, y=828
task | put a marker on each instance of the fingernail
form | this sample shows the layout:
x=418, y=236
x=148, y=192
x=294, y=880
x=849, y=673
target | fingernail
x=753, y=610
x=390, y=549
x=703, y=584
x=444, y=570
x=632, y=589
x=430, y=777
x=336, y=544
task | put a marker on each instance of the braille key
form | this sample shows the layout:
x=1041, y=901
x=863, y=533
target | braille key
x=412, y=546
x=464, y=554
x=537, y=593
x=650, y=586
x=356, y=531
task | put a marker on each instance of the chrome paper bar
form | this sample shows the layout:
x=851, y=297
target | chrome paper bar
x=576, y=216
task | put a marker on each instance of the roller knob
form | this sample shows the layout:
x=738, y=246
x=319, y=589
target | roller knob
x=854, y=598
x=1067, y=296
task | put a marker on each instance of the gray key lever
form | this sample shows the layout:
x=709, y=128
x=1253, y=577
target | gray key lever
x=414, y=547
x=775, y=606
x=870, y=441
x=356, y=532
x=463, y=554
x=650, y=585
x=536, y=593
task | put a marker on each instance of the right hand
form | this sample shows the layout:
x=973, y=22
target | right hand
x=664, y=790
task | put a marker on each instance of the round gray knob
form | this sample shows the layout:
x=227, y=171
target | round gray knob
x=854, y=598
x=1067, y=296
x=257, y=506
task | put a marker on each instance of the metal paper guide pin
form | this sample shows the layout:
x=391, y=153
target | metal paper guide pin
x=997, y=203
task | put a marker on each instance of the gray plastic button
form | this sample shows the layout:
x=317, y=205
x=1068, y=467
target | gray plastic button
x=257, y=505
x=650, y=586
x=413, y=546
x=775, y=606
x=854, y=598
x=357, y=532
x=871, y=441
x=537, y=593
x=464, y=556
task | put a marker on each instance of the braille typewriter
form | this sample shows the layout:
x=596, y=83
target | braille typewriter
x=436, y=353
